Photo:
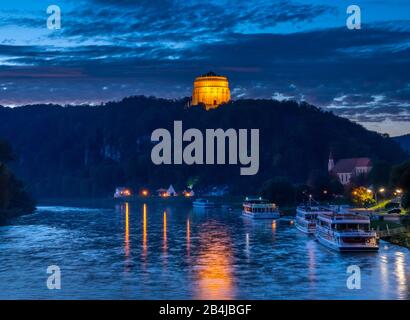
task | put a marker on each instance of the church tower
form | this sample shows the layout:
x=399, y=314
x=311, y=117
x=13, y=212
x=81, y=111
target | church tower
x=331, y=163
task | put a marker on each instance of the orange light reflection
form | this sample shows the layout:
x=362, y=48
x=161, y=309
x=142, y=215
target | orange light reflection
x=165, y=231
x=144, y=231
x=127, y=231
x=215, y=275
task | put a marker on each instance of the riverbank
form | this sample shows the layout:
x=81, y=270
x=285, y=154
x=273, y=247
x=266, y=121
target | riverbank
x=14, y=213
x=401, y=239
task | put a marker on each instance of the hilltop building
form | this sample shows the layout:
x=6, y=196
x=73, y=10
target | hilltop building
x=346, y=169
x=211, y=89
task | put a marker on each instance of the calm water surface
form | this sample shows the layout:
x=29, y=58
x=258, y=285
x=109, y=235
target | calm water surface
x=166, y=251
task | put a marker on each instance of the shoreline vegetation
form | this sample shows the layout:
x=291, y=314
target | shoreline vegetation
x=15, y=200
x=402, y=239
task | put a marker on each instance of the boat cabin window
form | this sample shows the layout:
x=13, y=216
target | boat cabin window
x=351, y=226
x=310, y=217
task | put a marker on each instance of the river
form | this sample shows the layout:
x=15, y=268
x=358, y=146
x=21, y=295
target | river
x=168, y=251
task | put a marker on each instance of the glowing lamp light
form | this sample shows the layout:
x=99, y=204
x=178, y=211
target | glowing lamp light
x=399, y=191
x=369, y=191
x=381, y=190
x=144, y=192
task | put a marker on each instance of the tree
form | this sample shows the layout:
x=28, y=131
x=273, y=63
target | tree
x=405, y=200
x=14, y=198
x=6, y=152
x=279, y=190
x=400, y=176
x=192, y=181
x=336, y=186
x=379, y=176
x=363, y=197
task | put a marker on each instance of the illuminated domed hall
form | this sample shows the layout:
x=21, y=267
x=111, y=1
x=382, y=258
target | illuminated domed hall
x=211, y=89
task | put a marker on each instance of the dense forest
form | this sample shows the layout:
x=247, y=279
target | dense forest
x=404, y=142
x=14, y=198
x=79, y=151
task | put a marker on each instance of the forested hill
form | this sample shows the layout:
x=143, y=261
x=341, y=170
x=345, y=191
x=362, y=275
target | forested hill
x=88, y=150
x=404, y=142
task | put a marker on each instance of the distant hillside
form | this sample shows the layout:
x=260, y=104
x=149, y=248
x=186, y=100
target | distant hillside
x=87, y=151
x=404, y=142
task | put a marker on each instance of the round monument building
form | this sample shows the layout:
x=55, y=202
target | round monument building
x=211, y=90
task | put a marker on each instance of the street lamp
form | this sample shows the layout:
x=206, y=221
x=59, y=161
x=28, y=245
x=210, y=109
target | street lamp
x=381, y=190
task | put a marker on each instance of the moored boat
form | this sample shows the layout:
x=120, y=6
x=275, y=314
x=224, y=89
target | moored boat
x=306, y=217
x=203, y=203
x=346, y=232
x=260, y=209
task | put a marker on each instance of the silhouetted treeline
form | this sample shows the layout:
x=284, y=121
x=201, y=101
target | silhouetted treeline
x=77, y=151
x=14, y=198
x=404, y=142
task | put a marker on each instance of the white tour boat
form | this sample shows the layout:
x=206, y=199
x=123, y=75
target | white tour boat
x=203, y=203
x=306, y=217
x=346, y=232
x=260, y=209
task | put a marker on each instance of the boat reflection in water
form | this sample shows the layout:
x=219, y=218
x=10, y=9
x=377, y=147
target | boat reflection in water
x=214, y=263
x=400, y=270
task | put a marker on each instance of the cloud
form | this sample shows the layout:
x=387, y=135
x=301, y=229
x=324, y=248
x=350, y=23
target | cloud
x=157, y=48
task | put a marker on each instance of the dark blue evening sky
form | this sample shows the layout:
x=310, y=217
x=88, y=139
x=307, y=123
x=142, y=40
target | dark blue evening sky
x=109, y=49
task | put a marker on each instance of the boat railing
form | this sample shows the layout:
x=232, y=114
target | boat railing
x=339, y=217
x=357, y=233
x=260, y=205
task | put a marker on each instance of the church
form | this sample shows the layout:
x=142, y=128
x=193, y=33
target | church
x=346, y=169
x=211, y=90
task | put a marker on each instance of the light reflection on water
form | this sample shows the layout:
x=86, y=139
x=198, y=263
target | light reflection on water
x=214, y=263
x=154, y=251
